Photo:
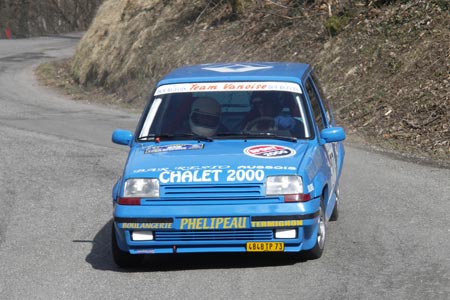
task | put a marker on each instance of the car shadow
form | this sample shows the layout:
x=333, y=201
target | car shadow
x=100, y=258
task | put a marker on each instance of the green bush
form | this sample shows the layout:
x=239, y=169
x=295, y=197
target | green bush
x=335, y=24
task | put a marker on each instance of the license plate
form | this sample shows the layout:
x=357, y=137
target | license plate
x=264, y=246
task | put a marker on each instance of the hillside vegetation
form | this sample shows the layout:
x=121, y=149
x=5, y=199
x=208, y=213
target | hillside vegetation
x=24, y=18
x=385, y=64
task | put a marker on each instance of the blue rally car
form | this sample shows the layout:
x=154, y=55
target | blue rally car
x=238, y=157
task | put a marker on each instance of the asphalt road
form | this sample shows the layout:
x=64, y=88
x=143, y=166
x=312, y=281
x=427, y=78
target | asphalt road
x=57, y=167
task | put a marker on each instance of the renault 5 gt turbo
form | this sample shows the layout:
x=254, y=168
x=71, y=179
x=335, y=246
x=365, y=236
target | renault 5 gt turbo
x=237, y=157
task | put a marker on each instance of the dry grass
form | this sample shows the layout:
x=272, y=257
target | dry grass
x=387, y=70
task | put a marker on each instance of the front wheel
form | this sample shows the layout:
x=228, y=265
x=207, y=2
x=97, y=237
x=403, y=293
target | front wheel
x=121, y=258
x=317, y=251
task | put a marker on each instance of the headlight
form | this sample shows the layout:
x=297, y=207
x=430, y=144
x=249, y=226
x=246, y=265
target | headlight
x=282, y=185
x=141, y=187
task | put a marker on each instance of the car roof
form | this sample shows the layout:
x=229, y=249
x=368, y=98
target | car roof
x=239, y=71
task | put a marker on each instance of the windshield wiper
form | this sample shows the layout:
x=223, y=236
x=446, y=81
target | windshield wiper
x=255, y=135
x=200, y=137
x=243, y=135
x=189, y=136
x=146, y=137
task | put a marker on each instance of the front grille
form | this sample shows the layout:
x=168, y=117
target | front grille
x=213, y=191
x=219, y=235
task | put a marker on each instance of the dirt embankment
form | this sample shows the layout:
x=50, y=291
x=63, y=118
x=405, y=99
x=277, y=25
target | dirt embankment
x=386, y=67
x=23, y=18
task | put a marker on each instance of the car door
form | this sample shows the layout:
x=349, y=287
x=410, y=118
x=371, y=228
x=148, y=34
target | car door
x=323, y=119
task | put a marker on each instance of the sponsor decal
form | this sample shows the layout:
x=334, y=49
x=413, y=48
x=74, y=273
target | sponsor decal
x=213, y=223
x=213, y=174
x=269, y=151
x=145, y=225
x=191, y=168
x=144, y=251
x=228, y=86
x=283, y=223
x=176, y=147
x=149, y=170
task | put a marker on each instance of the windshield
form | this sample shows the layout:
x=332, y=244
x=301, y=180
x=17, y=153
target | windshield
x=226, y=114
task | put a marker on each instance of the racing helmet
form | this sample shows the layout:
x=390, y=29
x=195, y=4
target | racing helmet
x=205, y=116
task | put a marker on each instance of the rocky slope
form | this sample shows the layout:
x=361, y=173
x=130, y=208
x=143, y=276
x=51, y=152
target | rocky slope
x=385, y=66
x=23, y=18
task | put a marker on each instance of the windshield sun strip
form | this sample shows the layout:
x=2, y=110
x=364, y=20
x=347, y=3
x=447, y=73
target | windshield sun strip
x=226, y=86
x=150, y=117
x=303, y=114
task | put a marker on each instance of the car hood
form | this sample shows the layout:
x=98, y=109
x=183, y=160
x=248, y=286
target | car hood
x=214, y=162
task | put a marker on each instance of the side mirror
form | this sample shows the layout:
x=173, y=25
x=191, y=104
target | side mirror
x=122, y=137
x=332, y=134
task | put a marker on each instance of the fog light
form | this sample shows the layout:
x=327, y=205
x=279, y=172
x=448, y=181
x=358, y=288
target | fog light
x=285, y=233
x=142, y=235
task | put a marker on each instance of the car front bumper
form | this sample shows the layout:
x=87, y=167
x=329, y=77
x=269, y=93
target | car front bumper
x=215, y=228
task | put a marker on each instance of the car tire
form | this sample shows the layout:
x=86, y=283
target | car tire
x=317, y=251
x=121, y=258
x=335, y=214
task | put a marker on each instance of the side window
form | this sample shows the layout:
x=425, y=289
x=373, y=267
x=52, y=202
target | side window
x=315, y=104
x=326, y=105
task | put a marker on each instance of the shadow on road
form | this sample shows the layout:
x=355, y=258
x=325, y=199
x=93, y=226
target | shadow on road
x=101, y=259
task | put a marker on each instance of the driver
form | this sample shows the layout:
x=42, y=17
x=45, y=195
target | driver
x=204, y=118
x=263, y=105
x=266, y=113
